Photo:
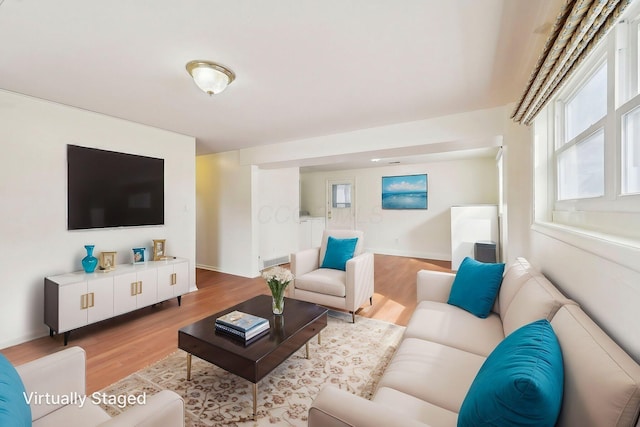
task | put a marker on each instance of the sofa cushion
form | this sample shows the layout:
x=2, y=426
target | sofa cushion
x=338, y=252
x=86, y=415
x=14, y=410
x=520, y=383
x=324, y=281
x=536, y=299
x=476, y=286
x=449, y=325
x=412, y=407
x=515, y=275
x=602, y=382
x=435, y=373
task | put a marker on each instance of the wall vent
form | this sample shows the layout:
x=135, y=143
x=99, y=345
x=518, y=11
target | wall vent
x=275, y=261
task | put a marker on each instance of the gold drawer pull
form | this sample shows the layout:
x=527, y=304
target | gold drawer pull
x=134, y=288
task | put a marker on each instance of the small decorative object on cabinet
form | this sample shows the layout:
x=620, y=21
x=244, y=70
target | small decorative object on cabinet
x=278, y=279
x=89, y=262
x=159, y=249
x=107, y=261
x=138, y=255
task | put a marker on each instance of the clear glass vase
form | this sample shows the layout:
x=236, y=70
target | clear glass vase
x=277, y=303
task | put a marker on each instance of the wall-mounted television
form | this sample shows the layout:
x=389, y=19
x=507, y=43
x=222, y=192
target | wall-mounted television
x=111, y=189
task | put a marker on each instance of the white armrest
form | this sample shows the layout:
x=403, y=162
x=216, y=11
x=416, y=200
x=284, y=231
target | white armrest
x=359, y=280
x=334, y=407
x=164, y=409
x=57, y=374
x=304, y=262
x=434, y=285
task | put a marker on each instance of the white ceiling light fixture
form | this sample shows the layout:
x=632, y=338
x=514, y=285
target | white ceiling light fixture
x=210, y=77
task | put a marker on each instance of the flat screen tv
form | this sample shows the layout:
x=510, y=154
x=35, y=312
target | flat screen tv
x=110, y=189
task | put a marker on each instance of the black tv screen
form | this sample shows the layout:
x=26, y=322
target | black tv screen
x=110, y=189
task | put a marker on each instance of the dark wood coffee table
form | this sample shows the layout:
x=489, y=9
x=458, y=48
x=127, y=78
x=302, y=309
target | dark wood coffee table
x=288, y=332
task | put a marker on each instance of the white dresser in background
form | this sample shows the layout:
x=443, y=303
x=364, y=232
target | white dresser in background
x=311, y=228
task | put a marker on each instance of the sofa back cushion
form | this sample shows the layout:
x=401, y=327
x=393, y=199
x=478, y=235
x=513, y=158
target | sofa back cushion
x=14, y=410
x=516, y=274
x=520, y=383
x=536, y=299
x=602, y=382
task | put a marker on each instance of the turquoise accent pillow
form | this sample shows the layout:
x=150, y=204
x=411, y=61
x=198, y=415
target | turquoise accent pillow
x=338, y=252
x=521, y=382
x=476, y=286
x=14, y=410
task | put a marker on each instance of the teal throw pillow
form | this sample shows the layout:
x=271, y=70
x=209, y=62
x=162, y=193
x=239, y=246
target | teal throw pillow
x=338, y=252
x=14, y=410
x=476, y=286
x=520, y=384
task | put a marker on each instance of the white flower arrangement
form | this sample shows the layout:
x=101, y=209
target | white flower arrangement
x=278, y=278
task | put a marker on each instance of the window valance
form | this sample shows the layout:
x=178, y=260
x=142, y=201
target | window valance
x=580, y=25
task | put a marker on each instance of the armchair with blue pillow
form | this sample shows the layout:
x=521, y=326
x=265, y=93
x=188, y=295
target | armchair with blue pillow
x=338, y=274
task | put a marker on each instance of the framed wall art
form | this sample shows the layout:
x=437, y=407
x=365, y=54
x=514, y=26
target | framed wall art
x=404, y=192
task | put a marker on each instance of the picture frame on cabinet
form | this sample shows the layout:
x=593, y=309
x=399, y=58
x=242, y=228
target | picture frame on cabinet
x=159, y=249
x=107, y=261
x=139, y=256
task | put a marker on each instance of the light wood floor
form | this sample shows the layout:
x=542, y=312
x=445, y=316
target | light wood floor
x=118, y=347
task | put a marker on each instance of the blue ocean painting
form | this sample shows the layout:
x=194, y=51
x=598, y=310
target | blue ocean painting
x=404, y=192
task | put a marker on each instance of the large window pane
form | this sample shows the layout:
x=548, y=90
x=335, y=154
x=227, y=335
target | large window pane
x=581, y=169
x=588, y=105
x=631, y=152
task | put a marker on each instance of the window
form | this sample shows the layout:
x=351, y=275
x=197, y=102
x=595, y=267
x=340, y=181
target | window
x=588, y=105
x=341, y=195
x=581, y=169
x=587, y=141
x=631, y=152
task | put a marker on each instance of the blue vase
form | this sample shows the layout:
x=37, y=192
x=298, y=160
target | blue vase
x=89, y=262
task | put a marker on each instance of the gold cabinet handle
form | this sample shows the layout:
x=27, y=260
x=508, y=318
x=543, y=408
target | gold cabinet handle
x=83, y=301
x=92, y=299
x=139, y=287
x=174, y=278
x=134, y=288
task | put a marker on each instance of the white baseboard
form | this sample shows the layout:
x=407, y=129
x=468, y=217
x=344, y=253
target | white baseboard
x=414, y=254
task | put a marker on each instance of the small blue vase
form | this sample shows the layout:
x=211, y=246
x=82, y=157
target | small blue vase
x=89, y=262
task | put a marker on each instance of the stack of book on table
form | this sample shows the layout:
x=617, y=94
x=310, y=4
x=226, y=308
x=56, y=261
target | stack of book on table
x=243, y=326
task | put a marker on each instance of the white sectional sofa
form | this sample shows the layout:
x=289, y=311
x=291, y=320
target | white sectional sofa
x=54, y=385
x=444, y=347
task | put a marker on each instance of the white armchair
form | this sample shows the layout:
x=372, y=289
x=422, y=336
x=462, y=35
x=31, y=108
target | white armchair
x=61, y=376
x=346, y=290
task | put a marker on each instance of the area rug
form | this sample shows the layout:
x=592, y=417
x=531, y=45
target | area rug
x=351, y=357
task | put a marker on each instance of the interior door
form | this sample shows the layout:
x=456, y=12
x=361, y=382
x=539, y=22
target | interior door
x=341, y=212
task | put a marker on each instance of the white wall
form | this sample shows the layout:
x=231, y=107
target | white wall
x=225, y=239
x=33, y=218
x=277, y=208
x=419, y=233
x=244, y=214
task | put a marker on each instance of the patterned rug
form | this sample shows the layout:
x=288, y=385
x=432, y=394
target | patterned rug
x=351, y=357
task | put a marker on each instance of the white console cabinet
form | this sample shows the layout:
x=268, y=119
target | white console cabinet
x=77, y=299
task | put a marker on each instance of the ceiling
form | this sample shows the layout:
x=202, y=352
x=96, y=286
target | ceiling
x=304, y=68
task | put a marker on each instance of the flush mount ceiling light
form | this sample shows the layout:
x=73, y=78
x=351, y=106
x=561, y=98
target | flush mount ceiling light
x=209, y=76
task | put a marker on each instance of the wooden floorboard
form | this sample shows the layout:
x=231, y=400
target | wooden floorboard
x=118, y=347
